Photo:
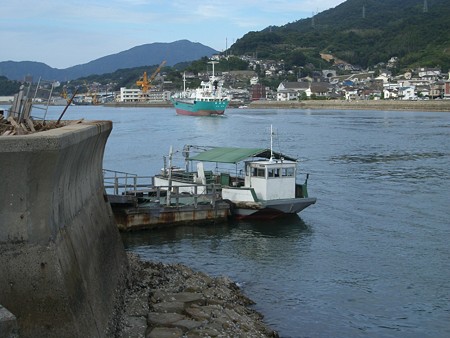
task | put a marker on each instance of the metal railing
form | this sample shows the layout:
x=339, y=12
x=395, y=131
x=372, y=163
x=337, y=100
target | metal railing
x=122, y=183
x=119, y=182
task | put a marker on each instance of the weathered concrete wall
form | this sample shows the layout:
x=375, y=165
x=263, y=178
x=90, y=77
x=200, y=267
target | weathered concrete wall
x=430, y=105
x=61, y=257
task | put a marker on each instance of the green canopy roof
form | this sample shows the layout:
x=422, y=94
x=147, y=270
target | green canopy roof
x=233, y=155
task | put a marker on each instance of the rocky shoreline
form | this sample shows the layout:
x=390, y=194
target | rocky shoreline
x=172, y=300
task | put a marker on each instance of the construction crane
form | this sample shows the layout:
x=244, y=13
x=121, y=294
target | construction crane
x=146, y=82
x=92, y=95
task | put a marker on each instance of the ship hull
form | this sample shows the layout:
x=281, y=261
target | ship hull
x=270, y=209
x=200, y=108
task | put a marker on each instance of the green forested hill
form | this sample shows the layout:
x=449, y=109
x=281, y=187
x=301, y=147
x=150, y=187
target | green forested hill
x=361, y=32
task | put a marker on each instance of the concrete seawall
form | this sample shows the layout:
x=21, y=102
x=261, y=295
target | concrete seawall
x=423, y=105
x=61, y=256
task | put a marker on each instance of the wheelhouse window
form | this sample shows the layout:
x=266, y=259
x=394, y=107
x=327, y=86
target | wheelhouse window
x=258, y=172
x=288, y=172
x=273, y=172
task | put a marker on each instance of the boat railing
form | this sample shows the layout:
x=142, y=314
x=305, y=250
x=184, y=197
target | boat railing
x=178, y=196
x=223, y=177
x=122, y=183
x=119, y=183
x=189, y=176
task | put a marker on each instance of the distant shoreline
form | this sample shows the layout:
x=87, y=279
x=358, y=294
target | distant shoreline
x=423, y=105
x=428, y=105
x=139, y=104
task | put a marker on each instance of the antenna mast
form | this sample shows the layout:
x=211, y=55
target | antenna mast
x=271, y=143
x=213, y=75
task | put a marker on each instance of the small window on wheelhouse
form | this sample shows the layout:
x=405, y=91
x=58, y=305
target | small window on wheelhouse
x=258, y=172
x=273, y=172
x=288, y=172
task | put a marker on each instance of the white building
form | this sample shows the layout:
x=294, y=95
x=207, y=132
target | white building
x=136, y=95
x=390, y=93
x=6, y=99
x=254, y=80
x=288, y=91
x=407, y=93
x=383, y=77
x=429, y=73
x=129, y=95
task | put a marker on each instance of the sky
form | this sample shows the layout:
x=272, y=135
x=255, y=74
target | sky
x=65, y=33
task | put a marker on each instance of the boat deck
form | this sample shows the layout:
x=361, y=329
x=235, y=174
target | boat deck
x=137, y=205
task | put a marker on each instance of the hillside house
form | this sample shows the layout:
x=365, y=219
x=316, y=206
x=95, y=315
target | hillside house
x=383, y=77
x=390, y=93
x=431, y=74
x=436, y=90
x=407, y=93
x=319, y=89
x=447, y=88
x=239, y=95
x=254, y=80
x=288, y=91
x=423, y=91
x=258, y=92
x=361, y=77
x=350, y=93
x=369, y=94
x=392, y=63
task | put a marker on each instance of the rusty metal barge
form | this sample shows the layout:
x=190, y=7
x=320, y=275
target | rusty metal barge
x=137, y=204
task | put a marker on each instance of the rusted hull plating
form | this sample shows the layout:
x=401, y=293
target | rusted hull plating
x=130, y=218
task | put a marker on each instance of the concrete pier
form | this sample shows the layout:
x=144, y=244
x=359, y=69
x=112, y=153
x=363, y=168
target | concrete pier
x=61, y=257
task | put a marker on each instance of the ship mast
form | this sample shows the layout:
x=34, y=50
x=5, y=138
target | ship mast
x=271, y=144
x=213, y=73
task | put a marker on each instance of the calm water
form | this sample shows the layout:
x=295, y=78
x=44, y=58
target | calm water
x=370, y=259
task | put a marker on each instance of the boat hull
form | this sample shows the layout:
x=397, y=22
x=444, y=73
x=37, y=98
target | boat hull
x=270, y=209
x=200, y=108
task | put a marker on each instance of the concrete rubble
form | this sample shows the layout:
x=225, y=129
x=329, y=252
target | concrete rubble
x=174, y=301
x=10, y=127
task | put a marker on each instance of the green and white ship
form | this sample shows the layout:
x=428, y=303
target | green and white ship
x=207, y=100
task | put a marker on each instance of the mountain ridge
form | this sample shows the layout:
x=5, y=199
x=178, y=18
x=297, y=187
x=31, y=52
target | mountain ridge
x=364, y=33
x=143, y=55
x=361, y=32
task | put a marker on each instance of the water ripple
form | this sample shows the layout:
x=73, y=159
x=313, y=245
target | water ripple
x=385, y=158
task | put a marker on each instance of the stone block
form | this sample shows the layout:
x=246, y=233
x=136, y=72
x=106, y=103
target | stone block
x=8, y=324
x=169, y=307
x=163, y=319
x=165, y=332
